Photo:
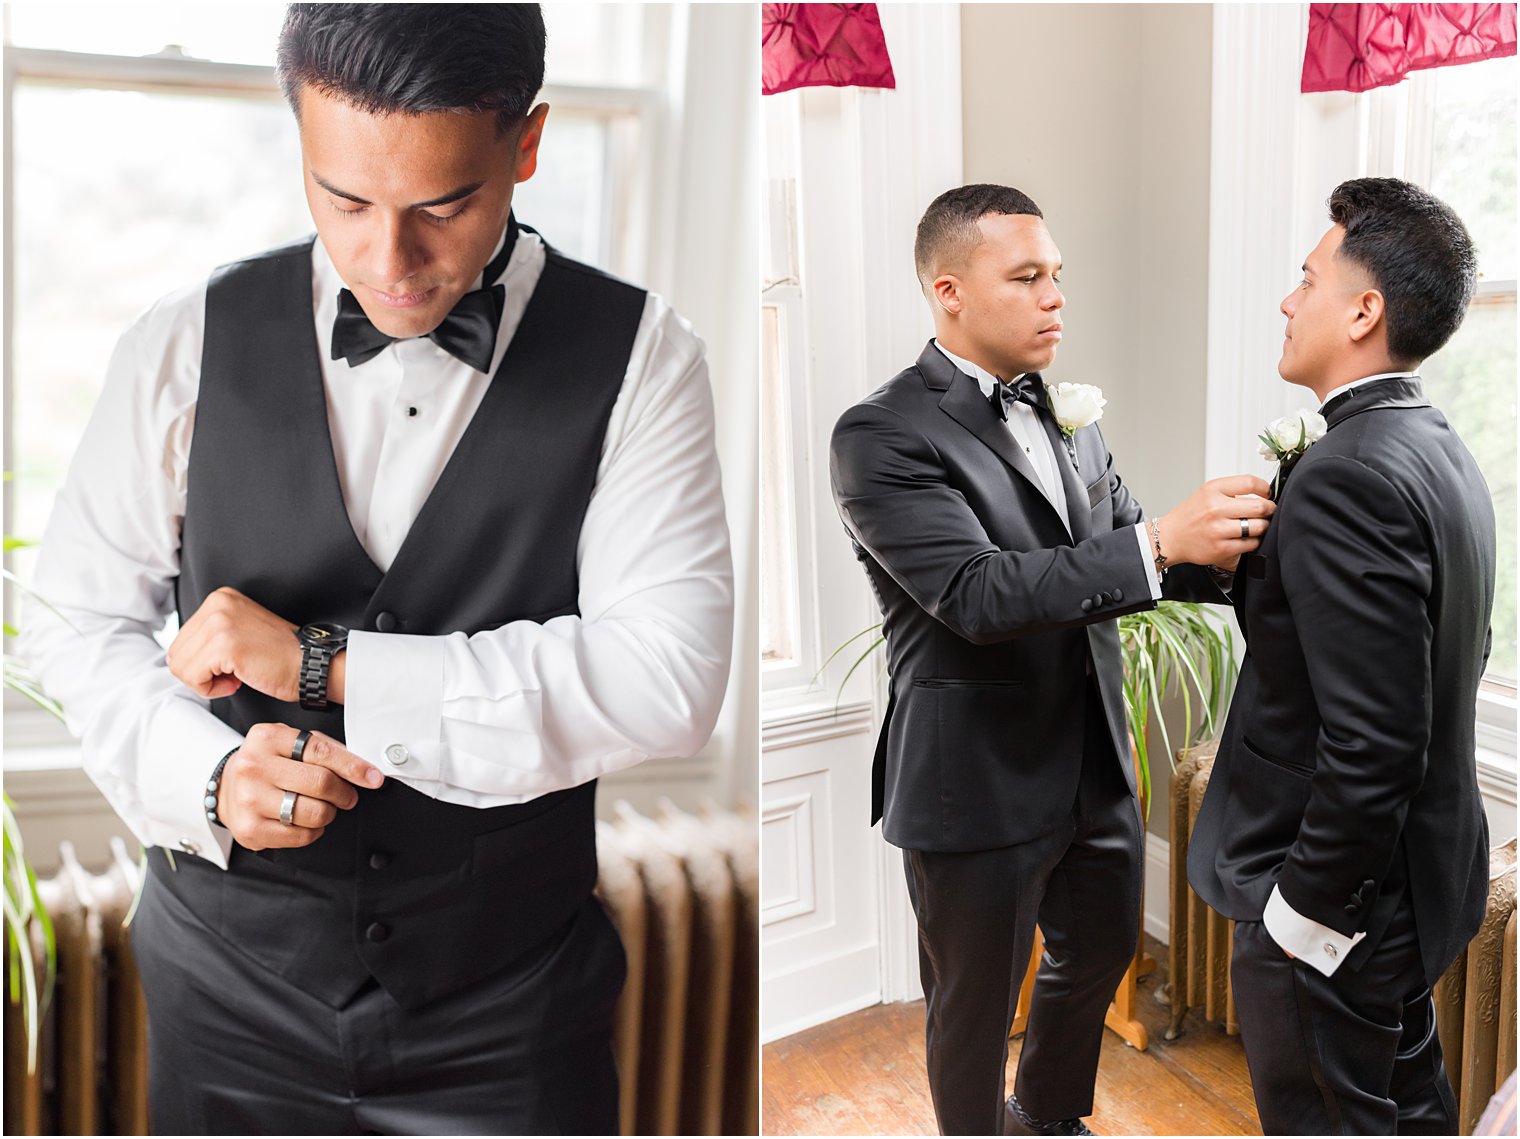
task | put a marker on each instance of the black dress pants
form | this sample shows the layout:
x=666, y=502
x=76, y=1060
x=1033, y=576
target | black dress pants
x=977, y=913
x=1355, y=1053
x=234, y=1049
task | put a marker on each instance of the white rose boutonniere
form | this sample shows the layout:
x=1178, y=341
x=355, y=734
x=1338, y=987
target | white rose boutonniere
x=1074, y=406
x=1284, y=440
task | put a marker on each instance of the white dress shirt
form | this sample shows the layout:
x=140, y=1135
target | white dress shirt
x=1316, y=945
x=499, y=717
x=1028, y=433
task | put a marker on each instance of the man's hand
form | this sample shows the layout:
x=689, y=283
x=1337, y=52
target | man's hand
x=255, y=780
x=1205, y=528
x=232, y=641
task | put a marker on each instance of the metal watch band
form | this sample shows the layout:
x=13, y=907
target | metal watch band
x=316, y=663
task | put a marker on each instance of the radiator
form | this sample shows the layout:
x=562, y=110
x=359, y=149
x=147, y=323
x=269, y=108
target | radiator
x=1475, y=998
x=682, y=889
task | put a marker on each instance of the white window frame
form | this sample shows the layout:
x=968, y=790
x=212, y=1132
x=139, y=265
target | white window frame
x=632, y=248
x=1395, y=129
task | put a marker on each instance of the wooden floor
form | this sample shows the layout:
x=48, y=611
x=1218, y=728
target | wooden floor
x=863, y=1074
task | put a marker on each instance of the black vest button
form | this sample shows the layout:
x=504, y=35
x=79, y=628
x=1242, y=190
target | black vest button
x=377, y=932
x=386, y=622
x=379, y=860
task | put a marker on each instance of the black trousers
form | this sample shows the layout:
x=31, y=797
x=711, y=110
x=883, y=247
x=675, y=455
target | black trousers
x=1355, y=1053
x=234, y=1049
x=976, y=921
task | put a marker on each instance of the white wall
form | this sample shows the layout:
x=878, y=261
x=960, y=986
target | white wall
x=1105, y=123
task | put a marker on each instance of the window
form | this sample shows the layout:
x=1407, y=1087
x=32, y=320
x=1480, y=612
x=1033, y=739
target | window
x=146, y=144
x=1452, y=130
x=788, y=629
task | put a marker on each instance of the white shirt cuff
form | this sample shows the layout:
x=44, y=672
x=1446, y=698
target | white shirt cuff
x=184, y=743
x=1147, y=555
x=393, y=701
x=1314, y=944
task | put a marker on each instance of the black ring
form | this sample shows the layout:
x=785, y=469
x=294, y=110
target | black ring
x=303, y=737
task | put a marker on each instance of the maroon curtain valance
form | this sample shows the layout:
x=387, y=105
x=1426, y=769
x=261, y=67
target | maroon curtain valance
x=822, y=45
x=1356, y=47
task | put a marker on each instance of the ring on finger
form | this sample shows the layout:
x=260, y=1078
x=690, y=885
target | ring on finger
x=298, y=749
x=1245, y=528
x=288, y=808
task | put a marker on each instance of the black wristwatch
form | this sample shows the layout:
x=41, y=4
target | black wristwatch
x=320, y=642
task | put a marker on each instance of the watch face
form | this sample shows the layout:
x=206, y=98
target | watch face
x=323, y=633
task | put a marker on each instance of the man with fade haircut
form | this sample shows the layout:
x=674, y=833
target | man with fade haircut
x=439, y=511
x=1343, y=828
x=1002, y=545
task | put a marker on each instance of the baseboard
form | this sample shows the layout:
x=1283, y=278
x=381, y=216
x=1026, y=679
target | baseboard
x=1158, y=887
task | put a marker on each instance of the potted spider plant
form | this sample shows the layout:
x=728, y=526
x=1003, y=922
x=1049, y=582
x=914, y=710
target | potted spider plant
x=26, y=918
x=1175, y=644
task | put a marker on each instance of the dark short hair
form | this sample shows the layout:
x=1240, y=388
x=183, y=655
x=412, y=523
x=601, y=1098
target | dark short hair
x=1418, y=254
x=948, y=226
x=415, y=58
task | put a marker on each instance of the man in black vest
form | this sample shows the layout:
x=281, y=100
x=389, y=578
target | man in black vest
x=1001, y=545
x=438, y=509
x=1343, y=828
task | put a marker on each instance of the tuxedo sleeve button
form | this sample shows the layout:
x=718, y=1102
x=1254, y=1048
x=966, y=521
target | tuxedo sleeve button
x=1108, y=598
x=1087, y=604
x=1118, y=595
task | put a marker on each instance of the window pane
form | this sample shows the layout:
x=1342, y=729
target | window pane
x=95, y=244
x=574, y=199
x=778, y=562
x=1472, y=380
x=1473, y=156
x=228, y=33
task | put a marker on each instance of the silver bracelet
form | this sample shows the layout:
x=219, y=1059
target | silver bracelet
x=1156, y=541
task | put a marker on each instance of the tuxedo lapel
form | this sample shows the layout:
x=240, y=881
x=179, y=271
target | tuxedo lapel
x=1076, y=493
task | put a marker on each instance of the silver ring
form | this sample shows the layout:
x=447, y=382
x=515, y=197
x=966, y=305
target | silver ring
x=288, y=808
x=298, y=749
x=1245, y=528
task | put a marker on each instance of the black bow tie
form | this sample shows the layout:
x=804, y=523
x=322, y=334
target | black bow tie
x=1029, y=388
x=468, y=333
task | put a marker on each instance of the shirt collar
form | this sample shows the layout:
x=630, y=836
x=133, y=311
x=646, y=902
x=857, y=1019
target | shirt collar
x=985, y=379
x=1366, y=380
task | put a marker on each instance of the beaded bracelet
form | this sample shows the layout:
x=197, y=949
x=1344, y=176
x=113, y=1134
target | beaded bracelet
x=211, y=786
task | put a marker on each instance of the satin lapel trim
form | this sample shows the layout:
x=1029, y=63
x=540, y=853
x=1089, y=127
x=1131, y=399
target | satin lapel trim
x=964, y=403
x=1076, y=494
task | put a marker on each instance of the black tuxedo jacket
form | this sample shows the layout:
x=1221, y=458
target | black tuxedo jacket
x=1346, y=774
x=992, y=611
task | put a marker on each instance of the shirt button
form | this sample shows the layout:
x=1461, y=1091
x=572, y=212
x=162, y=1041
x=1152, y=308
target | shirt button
x=397, y=754
x=377, y=932
x=379, y=860
x=386, y=622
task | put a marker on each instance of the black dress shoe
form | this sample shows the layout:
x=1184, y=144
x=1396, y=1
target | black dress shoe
x=1016, y=1121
